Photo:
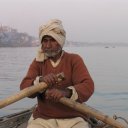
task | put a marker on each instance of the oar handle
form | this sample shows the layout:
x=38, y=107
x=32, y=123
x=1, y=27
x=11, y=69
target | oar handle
x=27, y=92
x=22, y=94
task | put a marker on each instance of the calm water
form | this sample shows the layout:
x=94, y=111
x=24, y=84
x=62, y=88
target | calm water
x=107, y=66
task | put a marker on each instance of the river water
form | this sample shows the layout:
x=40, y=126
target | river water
x=107, y=66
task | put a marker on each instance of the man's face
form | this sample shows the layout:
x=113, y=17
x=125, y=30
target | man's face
x=50, y=46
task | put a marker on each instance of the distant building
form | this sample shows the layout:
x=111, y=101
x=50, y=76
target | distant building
x=6, y=29
x=10, y=37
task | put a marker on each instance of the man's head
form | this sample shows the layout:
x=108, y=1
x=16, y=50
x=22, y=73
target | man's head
x=54, y=34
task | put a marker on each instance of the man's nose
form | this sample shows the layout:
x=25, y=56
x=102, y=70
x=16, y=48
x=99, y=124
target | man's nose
x=48, y=44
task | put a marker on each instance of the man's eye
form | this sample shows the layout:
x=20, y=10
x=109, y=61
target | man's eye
x=45, y=40
x=53, y=40
x=48, y=40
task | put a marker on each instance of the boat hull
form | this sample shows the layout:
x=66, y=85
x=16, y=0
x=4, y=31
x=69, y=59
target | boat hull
x=17, y=120
x=20, y=119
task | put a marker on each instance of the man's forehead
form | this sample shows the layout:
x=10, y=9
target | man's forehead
x=47, y=37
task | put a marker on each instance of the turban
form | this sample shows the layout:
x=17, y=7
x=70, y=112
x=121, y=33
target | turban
x=53, y=28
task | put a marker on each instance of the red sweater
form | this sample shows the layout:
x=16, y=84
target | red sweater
x=76, y=74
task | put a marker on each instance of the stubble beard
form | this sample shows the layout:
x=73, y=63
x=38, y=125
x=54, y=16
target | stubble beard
x=50, y=53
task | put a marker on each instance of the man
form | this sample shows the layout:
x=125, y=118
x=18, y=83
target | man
x=77, y=85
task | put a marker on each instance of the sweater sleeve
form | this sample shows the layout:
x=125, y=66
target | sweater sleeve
x=31, y=75
x=82, y=80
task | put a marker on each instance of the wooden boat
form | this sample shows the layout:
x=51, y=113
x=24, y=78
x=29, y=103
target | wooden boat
x=20, y=119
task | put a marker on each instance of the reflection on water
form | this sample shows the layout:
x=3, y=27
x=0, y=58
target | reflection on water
x=108, y=68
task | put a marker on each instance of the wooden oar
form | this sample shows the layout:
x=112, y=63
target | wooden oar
x=22, y=94
x=83, y=108
x=27, y=92
x=87, y=110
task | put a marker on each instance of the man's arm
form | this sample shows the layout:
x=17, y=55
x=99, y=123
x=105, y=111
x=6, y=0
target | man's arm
x=30, y=77
x=82, y=80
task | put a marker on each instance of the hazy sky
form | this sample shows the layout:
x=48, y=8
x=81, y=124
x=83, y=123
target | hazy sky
x=84, y=20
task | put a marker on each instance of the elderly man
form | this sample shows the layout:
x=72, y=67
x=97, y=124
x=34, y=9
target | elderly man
x=77, y=85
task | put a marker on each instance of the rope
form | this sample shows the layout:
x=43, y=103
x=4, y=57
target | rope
x=115, y=117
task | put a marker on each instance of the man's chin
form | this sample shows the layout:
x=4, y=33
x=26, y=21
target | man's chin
x=51, y=54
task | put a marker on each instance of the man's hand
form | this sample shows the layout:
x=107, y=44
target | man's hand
x=54, y=94
x=50, y=79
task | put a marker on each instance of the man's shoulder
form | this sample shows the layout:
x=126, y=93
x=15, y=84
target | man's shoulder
x=72, y=55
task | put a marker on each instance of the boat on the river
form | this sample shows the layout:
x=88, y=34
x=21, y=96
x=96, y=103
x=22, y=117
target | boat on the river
x=20, y=119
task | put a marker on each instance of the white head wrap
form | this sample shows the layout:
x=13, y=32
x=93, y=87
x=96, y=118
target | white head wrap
x=54, y=29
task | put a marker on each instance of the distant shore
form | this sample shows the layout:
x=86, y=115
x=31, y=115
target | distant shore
x=105, y=45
